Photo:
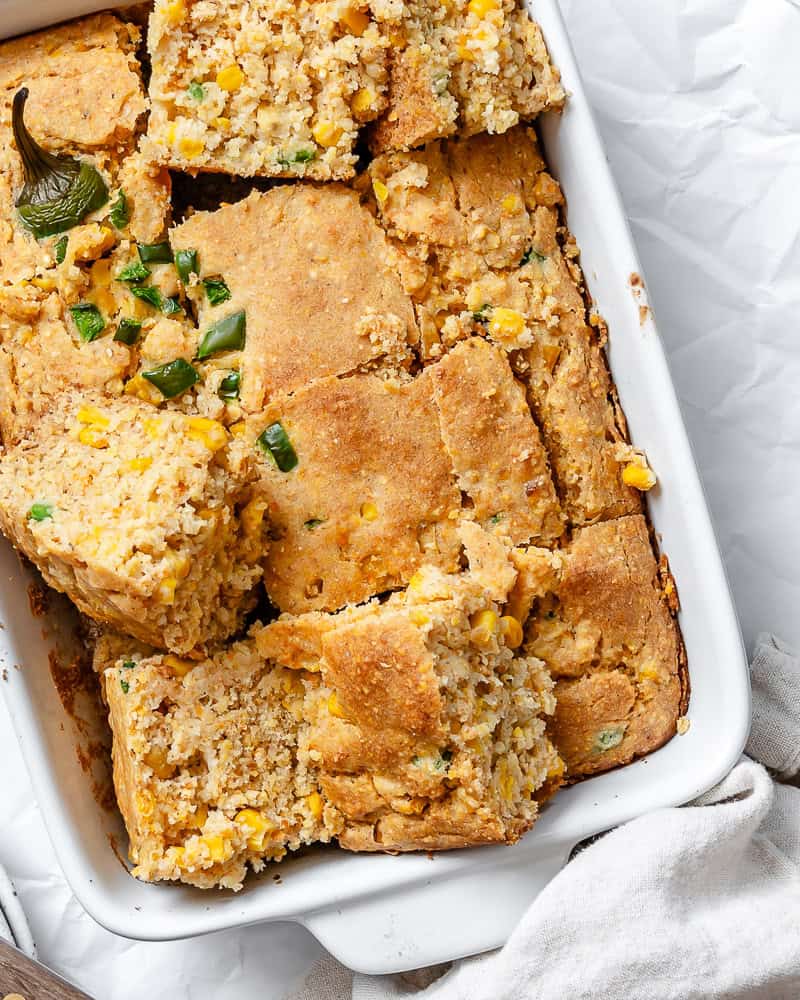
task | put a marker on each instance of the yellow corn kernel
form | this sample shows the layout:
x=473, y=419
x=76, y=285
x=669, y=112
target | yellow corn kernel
x=156, y=758
x=45, y=284
x=368, y=511
x=141, y=464
x=93, y=436
x=639, y=475
x=179, y=667
x=221, y=123
x=191, y=148
x=648, y=672
x=142, y=389
x=517, y=732
x=257, y=826
x=510, y=204
x=252, y=516
x=145, y=803
x=551, y=354
x=209, y=432
x=171, y=132
x=91, y=415
x=506, y=324
x=363, y=100
x=480, y=8
x=355, y=21
x=219, y=848
x=546, y=190
x=506, y=781
x=315, y=804
x=484, y=625
x=381, y=192
x=464, y=54
x=511, y=630
x=153, y=429
x=230, y=78
x=326, y=133
x=166, y=590
x=418, y=617
x=416, y=581
x=556, y=769
x=238, y=429
x=334, y=707
x=175, y=12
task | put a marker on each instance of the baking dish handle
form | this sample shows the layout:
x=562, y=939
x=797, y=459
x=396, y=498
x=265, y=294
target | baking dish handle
x=472, y=911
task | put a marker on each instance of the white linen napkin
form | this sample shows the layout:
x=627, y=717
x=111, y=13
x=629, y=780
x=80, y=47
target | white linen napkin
x=695, y=903
x=13, y=925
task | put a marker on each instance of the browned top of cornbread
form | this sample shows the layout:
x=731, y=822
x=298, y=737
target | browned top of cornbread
x=315, y=277
x=602, y=625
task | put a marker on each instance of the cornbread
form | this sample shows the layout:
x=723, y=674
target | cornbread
x=313, y=273
x=463, y=66
x=71, y=110
x=395, y=727
x=131, y=513
x=337, y=471
x=267, y=88
x=600, y=620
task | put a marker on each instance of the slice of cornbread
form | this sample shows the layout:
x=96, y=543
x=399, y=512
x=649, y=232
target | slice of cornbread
x=315, y=277
x=601, y=623
x=370, y=498
x=207, y=768
x=130, y=511
x=494, y=444
x=266, y=88
x=71, y=111
x=464, y=65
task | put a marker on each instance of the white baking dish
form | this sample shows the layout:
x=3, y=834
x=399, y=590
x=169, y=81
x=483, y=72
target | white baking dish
x=380, y=913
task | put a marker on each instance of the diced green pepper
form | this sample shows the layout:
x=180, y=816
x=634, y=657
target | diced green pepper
x=482, y=314
x=298, y=156
x=275, y=443
x=608, y=738
x=40, y=511
x=195, y=91
x=172, y=378
x=60, y=249
x=148, y=293
x=216, y=290
x=229, y=386
x=170, y=305
x=88, y=320
x=531, y=254
x=134, y=272
x=226, y=335
x=128, y=331
x=155, y=253
x=119, y=213
x=313, y=522
x=186, y=264
x=124, y=685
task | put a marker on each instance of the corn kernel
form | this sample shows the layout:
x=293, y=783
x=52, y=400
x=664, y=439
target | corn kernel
x=145, y=803
x=252, y=516
x=221, y=123
x=355, y=20
x=326, y=133
x=506, y=324
x=551, y=354
x=45, y=284
x=179, y=667
x=510, y=204
x=171, y=133
x=219, y=848
x=238, y=429
x=517, y=732
x=506, y=781
x=480, y=8
x=166, y=590
x=639, y=475
x=153, y=429
x=175, y=12
x=546, y=191
x=556, y=769
x=334, y=707
x=257, y=826
x=464, y=54
x=368, y=511
x=191, y=148
x=156, y=758
x=511, y=631
x=140, y=464
x=416, y=581
x=198, y=820
x=315, y=804
x=230, y=78
x=363, y=100
x=381, y=192
x=142, y=389
x=211, y=433
x=91, y=415
x=93, y=436
x=484, y=625
x=648, y=672
x=418, y=617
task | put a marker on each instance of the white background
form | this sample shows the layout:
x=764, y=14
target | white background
x=699, y=105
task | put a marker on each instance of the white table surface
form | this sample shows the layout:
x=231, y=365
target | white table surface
x=698, y=104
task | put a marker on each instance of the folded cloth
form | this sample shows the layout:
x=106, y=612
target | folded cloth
x=13, y=925
x=701, y=901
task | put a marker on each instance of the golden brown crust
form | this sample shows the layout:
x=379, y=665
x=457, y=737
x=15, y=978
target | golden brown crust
x=606, y=633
